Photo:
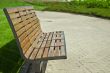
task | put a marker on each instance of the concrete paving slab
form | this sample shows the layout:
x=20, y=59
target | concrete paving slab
x=87, y=39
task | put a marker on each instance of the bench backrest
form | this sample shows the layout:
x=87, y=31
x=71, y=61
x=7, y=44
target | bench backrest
x=25, y=26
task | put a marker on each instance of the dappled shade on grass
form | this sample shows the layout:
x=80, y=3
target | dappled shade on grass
x=10, y=59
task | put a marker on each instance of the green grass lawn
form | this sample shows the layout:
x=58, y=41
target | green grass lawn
x=78, y=9
x=10, y=60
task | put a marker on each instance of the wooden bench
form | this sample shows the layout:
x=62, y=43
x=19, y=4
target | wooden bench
x=33, y=43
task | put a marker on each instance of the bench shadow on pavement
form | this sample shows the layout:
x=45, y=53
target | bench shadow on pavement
x=10, y=59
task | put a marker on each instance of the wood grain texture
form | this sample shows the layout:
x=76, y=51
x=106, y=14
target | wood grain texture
x=35, y=44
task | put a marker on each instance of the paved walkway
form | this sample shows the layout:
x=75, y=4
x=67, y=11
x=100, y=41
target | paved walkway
x=87, y=39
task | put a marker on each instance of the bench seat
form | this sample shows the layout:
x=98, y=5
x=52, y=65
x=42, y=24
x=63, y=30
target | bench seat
x=33, y=43
x=50, y=46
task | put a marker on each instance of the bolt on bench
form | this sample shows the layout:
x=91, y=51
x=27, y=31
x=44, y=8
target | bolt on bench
x=35, y=46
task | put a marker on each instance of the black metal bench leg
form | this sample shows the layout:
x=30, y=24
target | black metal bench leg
x=43, y=67
x=38, y=67
x=35, y=67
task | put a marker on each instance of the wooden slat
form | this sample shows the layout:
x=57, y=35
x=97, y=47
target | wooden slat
x=22, y=37
x=29, y=31
x=30, y=11
x=51, y=52
x=26, y=47
x=58, y=36
x=19, y=26
x=59, y=42
x=45, y=54
x=28, y=26
x=62, y=51
x=43, y=44
x=42, y=38
x=33, y=54
x=40, y=53
x=29, y=51
x=46, y=37
x=22, y=13
x=50, y=37
x=21, y=8
x=48, y=44
x=56, y=51
x=24, y=17
x=35, y=26
x=12, y=10
x=16, y=21
x=24, y=42
x=21, y=31
x=14, y=15
x=53, y=43
x=25, y=22
x=38, y=45
x=32, y=19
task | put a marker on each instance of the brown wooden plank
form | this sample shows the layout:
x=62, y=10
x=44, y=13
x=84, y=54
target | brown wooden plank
x=45, y=54
x=24, y=22
x=54, y=36
x=62, y=51
x=38, y=44
x=50, y=36
x=12, y=10
x=26, y=47
x=42, y=38
x=22, y=37
x=38, y=33
x=51, y=52
x=53, y=43
x=33, y=39
x=33, y=36
x=28, y=26
x=21, y=8
x=56, y=51
x=40, y=53
x=30, y=11
x=29, y=51
x=18, y=26
x=24, y=17
x=36, y=27
x=22, y=13
x=48, y=44
x=60, y=37
x=16, y=21
x=14, y=15
x=33, y=55
x=25, y=41
x=46, y=37
x=43, y=44
x=29, y=31
x=59, y=42
x=21, y=31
